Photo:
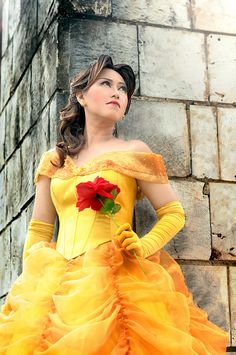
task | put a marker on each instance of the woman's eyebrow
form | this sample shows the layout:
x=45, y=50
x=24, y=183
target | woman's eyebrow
x=120, y=82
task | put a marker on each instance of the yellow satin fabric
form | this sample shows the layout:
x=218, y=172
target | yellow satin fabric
x=81, y=231
x=101, y=302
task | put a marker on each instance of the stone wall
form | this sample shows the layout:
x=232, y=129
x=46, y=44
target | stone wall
x=184, y=57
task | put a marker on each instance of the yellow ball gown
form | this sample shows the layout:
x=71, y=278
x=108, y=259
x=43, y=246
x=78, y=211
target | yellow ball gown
x=83, y=295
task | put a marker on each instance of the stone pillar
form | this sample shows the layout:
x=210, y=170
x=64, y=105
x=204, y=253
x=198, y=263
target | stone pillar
x=184, y=56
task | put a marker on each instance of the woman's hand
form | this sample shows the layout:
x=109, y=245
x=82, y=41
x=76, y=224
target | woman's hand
x=128, y=239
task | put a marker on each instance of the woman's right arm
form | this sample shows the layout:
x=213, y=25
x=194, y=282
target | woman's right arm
x=42, y=222
x=44, y=209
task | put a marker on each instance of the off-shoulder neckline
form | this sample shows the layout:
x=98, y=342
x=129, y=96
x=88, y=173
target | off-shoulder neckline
x=71, y=161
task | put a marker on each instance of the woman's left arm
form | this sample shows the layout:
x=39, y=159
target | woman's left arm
x=158, y=194
x=169, y=211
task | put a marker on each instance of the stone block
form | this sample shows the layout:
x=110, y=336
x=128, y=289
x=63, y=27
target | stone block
x=88, y=40
x=163, y=126
x=3, y=200
x=36, y=84
x=13, y=186
x=227, y=142
x=24, y=105
x=58, y=101
x=223, y=223
x=5, y=30
x=44, y=73
x=6, y=75
x=18, y=236
x=160, y=12
x=47, y=10
x=2, y=138
x=5, y=261
x=204, y=142
x=232, y=290
x=170, y=65
x=14, y=16
x=214, y=15
x=92, y=7
x=26, y=33
x=41, y=138
x=49, y=64
x=208, y=284
x=12, y=131
x=194, y=240
x=27, y=159
x=222, y=68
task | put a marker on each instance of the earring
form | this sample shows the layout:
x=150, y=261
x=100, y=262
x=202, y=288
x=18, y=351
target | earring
x=82, y=103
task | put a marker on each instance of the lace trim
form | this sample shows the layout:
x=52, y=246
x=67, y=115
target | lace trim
x=139, y=165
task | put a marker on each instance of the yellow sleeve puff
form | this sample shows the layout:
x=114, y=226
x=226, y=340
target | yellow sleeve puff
x=45, y=166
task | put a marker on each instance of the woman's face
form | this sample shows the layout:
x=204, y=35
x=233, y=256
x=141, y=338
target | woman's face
x=108, y=86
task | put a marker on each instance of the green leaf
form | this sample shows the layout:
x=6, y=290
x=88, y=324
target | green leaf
x=114, y=192
x=108, y=205
x=116, y=208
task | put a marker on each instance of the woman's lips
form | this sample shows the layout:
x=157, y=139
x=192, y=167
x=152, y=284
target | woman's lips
x=114, y=103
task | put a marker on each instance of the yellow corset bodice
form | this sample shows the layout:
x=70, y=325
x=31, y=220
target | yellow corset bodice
x=82, y=230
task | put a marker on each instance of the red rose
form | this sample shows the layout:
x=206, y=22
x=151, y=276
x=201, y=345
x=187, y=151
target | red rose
x=90, y=192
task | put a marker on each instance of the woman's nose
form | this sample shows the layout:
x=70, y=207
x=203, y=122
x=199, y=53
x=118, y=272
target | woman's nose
x=116, y=94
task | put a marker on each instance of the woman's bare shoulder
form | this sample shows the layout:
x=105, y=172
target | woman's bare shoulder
x=137, y=145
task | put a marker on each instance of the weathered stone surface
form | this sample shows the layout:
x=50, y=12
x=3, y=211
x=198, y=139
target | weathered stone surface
x=161, y=12
x=214, y=15
x=36, y=83
x=24, y=105
x=194, y=240
x=49, y=64
x=227, y=142
x=203, y=130
x=163, y=126
x=5, y=21
x=222, y=67
x=44, y=73
x=2, y=137
x=40, y=138
x=26, y=33
x=14, y=16
x=170, y=66
x=13, y=186
x=3, y=200
x=92, y=7
x=208, y=285
x=6, y=75
x=18, y=235
x=5, y=262
x=2, y=301
x=88, y=40
x=12, y=132
x=58, y=101
x=47, y=10
x=232, y=290
x=223, y=223
x=27, y=159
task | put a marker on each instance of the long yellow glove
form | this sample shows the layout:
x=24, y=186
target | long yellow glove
x=37, y=231
x=171, y=221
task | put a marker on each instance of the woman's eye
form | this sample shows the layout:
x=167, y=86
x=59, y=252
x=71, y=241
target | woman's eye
x=124, y=88
x=108, y=82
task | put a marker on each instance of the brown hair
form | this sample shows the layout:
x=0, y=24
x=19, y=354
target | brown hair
x=72, y=116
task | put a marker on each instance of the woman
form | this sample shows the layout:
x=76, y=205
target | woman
x=101, y=289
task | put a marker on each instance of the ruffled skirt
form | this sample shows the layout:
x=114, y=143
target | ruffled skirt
x=103, y=303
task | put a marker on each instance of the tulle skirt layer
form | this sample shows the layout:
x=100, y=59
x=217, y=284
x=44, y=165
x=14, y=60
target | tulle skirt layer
x=103, y=303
